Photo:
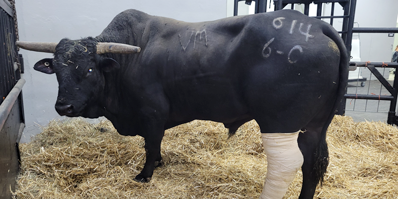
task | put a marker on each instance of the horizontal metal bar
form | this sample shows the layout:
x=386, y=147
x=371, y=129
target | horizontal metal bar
x=331, y=17
x=370, y=97
x=374, y=30
x=6, y=7
x=329, y=1
x=9, y=101
x=315, y=1
x=376, y=64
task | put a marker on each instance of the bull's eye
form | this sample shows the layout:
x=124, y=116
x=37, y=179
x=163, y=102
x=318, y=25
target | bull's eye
x=47, y=64
x=90, y=70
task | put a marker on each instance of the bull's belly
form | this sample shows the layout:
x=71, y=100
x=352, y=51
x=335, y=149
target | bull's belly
x=277, y=103
x=288, y=110
x=219, y=105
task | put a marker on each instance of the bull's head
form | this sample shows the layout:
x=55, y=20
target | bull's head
x=80, y=71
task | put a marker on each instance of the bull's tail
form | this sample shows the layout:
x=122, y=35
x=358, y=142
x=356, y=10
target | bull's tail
x=322, y=156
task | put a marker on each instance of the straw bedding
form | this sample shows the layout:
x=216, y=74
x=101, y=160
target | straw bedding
x=75, y=159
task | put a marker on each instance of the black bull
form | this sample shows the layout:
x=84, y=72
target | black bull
x=283, y=69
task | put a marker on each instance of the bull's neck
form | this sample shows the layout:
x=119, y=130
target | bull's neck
x=111, y=96
x=129, y=27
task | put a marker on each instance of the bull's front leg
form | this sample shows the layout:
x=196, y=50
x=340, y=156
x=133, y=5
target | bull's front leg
x=153, y=157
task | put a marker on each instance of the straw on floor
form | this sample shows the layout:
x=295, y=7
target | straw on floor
x=75, y=159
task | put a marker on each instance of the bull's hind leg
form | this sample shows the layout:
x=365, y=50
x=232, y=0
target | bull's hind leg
x=314, y=148
x=284, y=160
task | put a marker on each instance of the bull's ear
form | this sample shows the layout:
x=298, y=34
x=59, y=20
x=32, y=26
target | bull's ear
x=108, y=64
x=45, y=66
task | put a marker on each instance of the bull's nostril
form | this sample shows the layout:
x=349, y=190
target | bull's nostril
x=69, y=109
x=64, y=109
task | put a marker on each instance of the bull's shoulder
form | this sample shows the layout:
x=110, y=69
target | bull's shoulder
x=132, y=13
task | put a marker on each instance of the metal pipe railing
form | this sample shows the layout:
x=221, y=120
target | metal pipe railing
x=374, y=30
x=9, y=101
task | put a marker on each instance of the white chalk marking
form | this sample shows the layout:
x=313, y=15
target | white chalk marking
x=292, y=27
x=296, y=47
x=279, y=52
x=200, y=33
x=189, y=41
x=306, y=34
x=280, y=23
x=266, y=55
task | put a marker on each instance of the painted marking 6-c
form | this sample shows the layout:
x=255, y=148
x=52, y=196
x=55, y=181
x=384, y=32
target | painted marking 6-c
x=267, y=51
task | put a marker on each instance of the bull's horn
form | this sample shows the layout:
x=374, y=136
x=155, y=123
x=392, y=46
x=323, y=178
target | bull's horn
x=105, y=47
x=45, y=47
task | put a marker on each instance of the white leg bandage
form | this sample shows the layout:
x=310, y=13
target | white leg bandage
x=284, y=160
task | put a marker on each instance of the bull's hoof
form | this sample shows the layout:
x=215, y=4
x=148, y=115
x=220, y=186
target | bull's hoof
x=158, y=163
x=141, y=178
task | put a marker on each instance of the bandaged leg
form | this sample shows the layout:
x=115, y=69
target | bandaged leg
x=284, y=160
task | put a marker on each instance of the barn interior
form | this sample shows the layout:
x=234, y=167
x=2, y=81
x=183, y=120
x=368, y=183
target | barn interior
x=49, y=156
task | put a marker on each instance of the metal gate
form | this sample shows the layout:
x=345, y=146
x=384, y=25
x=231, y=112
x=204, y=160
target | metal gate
x=11, y=106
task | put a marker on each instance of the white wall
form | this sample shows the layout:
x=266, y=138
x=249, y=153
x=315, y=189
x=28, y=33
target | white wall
x=50, y=21
x=376, y=47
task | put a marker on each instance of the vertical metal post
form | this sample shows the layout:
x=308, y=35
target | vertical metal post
x=319, y=9
x=256, y=8
x=344, y=29
x=350, y=25
x=236, y=7
x=265, y=5
x=332, y=14
x=278, y=4
x=392, y=118
x=307, y=9
x=348, y=22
